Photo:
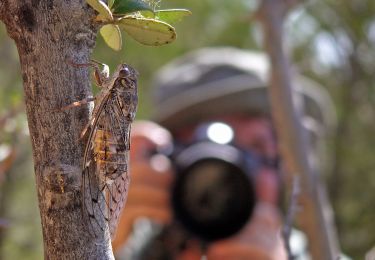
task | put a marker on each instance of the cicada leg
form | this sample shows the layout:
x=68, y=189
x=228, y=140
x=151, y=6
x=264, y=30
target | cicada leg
x=78, y=103
x=84, y=131
x=99, y=75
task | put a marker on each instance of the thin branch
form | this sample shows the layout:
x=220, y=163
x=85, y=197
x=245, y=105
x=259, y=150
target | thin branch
x=292, y=210
x=294, y=141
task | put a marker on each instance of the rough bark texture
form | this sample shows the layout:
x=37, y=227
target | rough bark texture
x=47, y=33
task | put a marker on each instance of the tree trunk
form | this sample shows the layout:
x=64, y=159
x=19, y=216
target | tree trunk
x=47, y=34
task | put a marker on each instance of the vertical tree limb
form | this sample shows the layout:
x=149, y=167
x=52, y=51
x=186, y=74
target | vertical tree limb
x=47, y=33
x=315, y=216
x=291, y=212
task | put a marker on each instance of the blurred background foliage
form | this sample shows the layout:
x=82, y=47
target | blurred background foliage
x=330, y=41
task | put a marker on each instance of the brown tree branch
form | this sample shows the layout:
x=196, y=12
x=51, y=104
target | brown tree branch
x=3, y=5
x=47, y=33
x=316, y=220
x=291, y=212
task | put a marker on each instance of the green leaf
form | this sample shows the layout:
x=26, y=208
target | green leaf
x=110, y=3
x=112, y=36
x=129, y=6
x=147, y=31
x=104, y=13
x=171, y=16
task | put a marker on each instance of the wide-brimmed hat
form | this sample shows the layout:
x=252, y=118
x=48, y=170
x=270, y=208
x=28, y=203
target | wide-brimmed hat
x=215, y=81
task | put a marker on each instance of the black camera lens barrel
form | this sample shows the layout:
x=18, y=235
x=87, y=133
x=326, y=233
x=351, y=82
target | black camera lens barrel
x=213, y=195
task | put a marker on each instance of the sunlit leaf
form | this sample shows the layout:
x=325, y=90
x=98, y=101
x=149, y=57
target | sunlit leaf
x=171, y=15
x=148, y=31
x=104, y=13
x=100, y=7
x=110, y=3
x=112, y=36
x=130, y=6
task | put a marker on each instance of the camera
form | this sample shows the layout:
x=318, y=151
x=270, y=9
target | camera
x=213, y=195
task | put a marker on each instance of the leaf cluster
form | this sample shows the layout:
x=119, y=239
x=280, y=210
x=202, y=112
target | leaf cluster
x=139, y=19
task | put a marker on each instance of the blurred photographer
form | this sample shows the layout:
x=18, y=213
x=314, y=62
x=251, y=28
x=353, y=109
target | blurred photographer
x=188, y=194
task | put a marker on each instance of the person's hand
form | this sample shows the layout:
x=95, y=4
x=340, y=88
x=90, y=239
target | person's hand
x=151, y=178
x=260, y=239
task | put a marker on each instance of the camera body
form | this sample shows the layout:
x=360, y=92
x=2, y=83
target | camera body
x=213, y=195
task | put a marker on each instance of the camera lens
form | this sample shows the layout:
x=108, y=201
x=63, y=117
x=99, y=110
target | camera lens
x=213, y=198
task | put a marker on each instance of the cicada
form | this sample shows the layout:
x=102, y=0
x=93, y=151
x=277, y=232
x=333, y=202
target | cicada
x=105, y=170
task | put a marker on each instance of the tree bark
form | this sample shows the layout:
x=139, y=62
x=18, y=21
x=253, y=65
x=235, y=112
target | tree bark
x=47, y=34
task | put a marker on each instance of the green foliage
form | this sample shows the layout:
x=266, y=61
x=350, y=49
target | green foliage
x=110, y=3
x=112, y=36
x=129, y=6
x=170, y=16
x=138, y=19
x=105, y=14
x=147, y=31
x=347, y=30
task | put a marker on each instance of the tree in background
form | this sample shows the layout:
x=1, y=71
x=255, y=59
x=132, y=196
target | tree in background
x=344, y=33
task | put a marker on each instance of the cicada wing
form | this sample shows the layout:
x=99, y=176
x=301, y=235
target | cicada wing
x=117, y=195
x=94, y=204
x=118, y=191
x=105, y=176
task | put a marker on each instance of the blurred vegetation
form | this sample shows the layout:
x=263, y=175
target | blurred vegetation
x=20, y=229
x=331, y=41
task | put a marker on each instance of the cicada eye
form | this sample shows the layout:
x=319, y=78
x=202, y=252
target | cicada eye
x=124, y=72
